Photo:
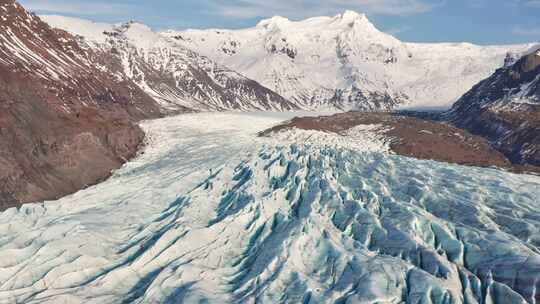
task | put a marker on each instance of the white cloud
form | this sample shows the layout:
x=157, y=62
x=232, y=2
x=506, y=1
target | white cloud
x=305, y=8
x=85, y=8
x=529, y=31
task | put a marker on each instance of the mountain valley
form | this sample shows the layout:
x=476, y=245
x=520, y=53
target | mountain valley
x=311, y=161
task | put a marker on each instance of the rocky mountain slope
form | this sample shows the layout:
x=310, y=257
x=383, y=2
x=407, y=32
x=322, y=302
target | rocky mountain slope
x=345, y=62
x=505, y=108
x=176, y=77
x=66, y=119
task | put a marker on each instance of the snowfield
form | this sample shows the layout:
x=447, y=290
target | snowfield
x=212, y=213
x=346, y=62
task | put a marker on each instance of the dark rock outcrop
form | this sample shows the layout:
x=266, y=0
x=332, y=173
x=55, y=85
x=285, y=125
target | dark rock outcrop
x=66, y=120
x=505, y=108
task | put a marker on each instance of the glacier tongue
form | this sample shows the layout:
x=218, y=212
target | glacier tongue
x=300, y=224
x=277, y=223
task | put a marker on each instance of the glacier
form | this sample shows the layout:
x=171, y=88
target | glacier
x=211, y=213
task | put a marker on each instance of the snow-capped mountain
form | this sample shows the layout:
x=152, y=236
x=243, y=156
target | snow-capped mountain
x=345, y=62
x=175, y=76
x=66, y=120
x=506, y=108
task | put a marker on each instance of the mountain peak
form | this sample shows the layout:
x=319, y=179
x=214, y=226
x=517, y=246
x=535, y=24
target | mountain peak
x=352, y=18
x=276, y=20
x=139, y=34
x=350, y=15
x=134, y=26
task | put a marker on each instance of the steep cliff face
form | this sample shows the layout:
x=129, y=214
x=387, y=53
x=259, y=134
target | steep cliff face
x=505, y=108
x=66, y=120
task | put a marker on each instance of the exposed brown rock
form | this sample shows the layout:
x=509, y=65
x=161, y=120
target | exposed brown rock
x=65, y=120
x=530, y=62
x=413, y=137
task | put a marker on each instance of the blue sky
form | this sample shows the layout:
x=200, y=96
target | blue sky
x=477, y=21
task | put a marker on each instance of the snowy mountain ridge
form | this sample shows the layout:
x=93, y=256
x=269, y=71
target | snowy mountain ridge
x=342, y=62
x=346, y=62
x=176, y=77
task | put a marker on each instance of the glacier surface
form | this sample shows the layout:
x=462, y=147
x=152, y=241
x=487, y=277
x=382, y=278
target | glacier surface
x=210, y=213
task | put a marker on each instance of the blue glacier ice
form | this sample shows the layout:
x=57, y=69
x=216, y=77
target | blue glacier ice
x=279, y=223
